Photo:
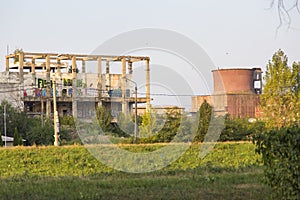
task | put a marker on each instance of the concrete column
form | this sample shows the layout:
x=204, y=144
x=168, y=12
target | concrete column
x=74, y=108
x=107, y=77
x=74, y=95
x=99, y=85
x=33, y=66
x=148, y=105
x=83, y=69
x=48, y=100
x=130, y=67
x=21, y=76
x=21, y=68
x=123, y=86
x=33, y=72
x=107, y=67
x=59, y=76
x=130, y=71
x=83, y=66
x=74, y=68
x=58, y=67
x=6, y=64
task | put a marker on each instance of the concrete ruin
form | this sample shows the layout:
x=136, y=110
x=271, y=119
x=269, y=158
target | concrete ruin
x=29, y=77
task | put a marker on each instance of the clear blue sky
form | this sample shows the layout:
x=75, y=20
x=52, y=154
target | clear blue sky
x=234, y=33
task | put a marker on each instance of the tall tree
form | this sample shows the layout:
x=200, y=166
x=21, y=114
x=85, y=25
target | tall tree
x=296, y=90
x=280, y=97
x=204, y=114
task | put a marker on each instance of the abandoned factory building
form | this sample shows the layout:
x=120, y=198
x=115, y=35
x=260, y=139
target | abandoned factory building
x=29, y=77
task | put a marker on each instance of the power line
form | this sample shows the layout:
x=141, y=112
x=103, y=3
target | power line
x=94, y=89
x=171, y=95
x=32, y=87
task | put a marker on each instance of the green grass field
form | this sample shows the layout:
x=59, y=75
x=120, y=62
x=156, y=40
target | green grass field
x=230, y=171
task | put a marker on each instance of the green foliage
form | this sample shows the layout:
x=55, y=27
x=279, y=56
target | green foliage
x=16, y=137
x=170, y=128
x=175, y=185
x=280, y=154
x=186, y=130
x=157, y=128
x=149, y=125
x=20, y=126
x=296, y=78
x=68, y=133
x=67, y=121
x=204, y=116
x=38, y=135
x=17, y=51
x=281, y=94
x=14, y=119
x=18, y=141
x=1, y=141
x=43, y=135
x=104, y=119
x=77, y=161
x=126, y=123
x=237, y=129
x=230, y=171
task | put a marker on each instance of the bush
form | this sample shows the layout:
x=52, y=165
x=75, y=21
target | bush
x=280, y=153
x=238, y=129
x=39, y=135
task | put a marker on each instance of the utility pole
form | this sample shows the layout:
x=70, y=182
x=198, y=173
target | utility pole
x=5, y=124
x=135, y=115
x=55, y=116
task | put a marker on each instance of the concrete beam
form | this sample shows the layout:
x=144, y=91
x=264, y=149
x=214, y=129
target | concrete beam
x=81, y=56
